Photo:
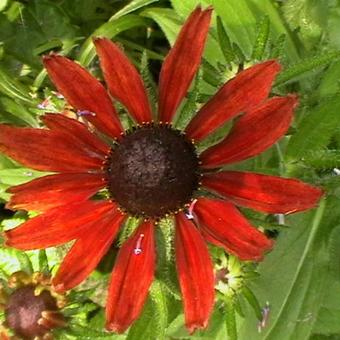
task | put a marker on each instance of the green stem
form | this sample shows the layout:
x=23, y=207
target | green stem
x=281, y=159
x=231, y=320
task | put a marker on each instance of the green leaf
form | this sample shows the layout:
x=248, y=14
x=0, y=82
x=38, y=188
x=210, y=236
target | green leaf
x=18, y=176
x=129, y=227
x=43, y=261
x=109, y=30
x=278, y=47
x=167, y=20
x=261, y=39
x=231, y=320
x=327, y=320
x=87, y=333
x=3, y=4
x=252, y=300
x=330, y=84
x=294, y=276
x=240, y=18
x=159, y=297
x=140, y=48
x=166, y=270
x=4, y=196
x=149, y=82
x=189, y=108
x=211, y=75
x=301, y=69
x=224, y=42
x=170, y=24
x=334, y=252
x=233, y=13
x=333, y=25
x=12, y=260
x=131, y=7
x=39, y=79
x=331, y=184
x=35, y=24
x=6, y=162
x=13, y=88
x=143, y=328
x=315, y=130
x=15, y=113
x=322, y=159
x=240, y=57
x=48, y=46
x=278, y=26
x=216, y=330
x=307, y=17
x=153, y=321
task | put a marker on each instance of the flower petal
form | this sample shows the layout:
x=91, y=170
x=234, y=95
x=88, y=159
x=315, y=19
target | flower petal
x=242, y=93
x=123, y=80
x=182, y=62
x=262, y=192
x=223, y=225
x=47, y=150
x=77, y=129
x=84, y=92
x=195, y=273
x=58, y=225
x=87, y=252
x=51, y=191
x=253, y=133
x=131, y=278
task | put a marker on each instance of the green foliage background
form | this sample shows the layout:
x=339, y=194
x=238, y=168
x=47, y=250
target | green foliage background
x=300, y=278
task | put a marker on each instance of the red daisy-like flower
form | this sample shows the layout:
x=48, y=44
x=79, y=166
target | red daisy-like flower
x=151, y=171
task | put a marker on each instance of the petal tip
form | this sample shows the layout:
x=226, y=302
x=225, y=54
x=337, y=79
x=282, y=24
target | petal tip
x=200, y=9
x=294, y=99
x=196, y=325
x=208, y=9
x=319, y=193
x=59, y=287
x=275, y=64
x=51, y=56
x=46, y=57
x=268, y=247
x=99, y=39
x=102, y=43
x=9, y=205
x=262, y=252
x=205, y=13
x=115, y=327
x=316, y=194
x=6, y=239
x=9, y=190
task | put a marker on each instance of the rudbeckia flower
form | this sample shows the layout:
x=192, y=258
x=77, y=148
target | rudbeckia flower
x=32, y=309
x=151, y=172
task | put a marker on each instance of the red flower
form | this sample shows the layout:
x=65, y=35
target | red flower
x=151, y=172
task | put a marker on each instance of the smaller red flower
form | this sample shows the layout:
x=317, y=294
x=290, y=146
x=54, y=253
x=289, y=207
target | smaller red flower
x=151, y=172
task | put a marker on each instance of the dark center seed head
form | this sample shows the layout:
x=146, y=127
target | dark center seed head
x=153, y=171
x=24, y=310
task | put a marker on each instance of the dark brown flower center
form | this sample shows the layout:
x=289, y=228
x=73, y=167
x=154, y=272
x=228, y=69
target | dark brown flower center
x=24, y=310
x=153, y=171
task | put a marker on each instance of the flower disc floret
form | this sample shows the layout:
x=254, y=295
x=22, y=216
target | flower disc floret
x=154, y=170
x=24, y=310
